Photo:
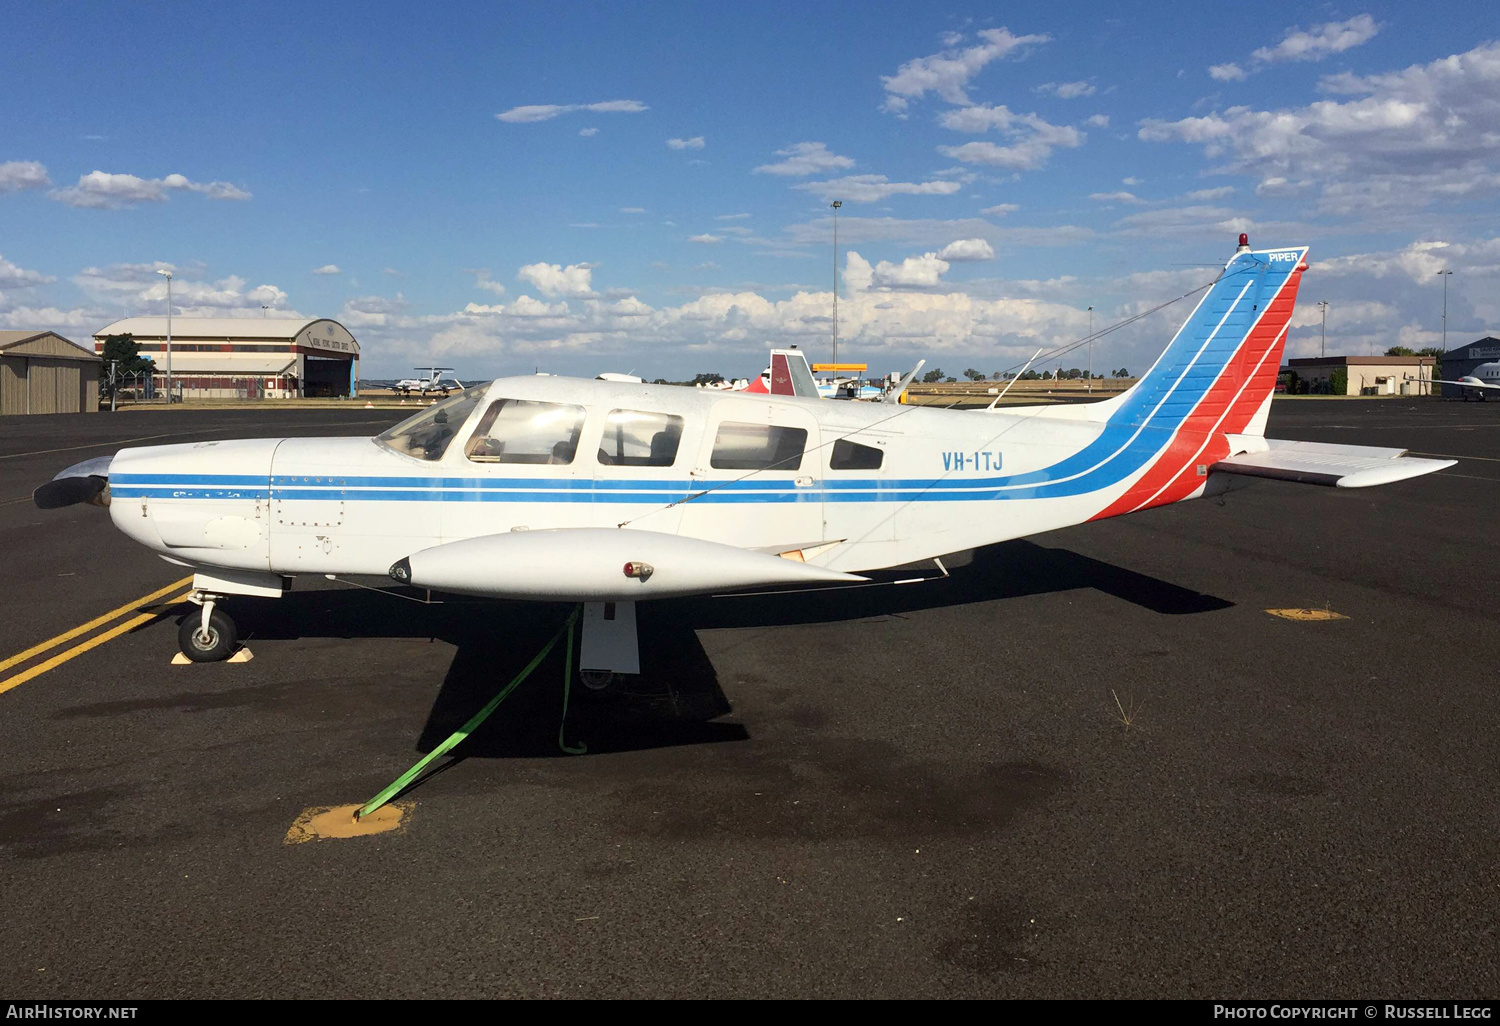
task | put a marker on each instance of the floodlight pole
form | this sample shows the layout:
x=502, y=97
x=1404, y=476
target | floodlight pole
x=168, y=275
x=1445, y=276
x=1323, y=345
x=835, y=205
x=1091, y=350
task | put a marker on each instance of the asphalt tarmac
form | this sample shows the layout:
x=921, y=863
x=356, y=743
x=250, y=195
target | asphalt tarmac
x=924, y=791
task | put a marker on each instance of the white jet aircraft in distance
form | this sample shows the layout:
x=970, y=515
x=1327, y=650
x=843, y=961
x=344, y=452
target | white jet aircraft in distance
x=571, y=490
x=432, y=383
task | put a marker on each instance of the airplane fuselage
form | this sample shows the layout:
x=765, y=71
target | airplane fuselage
x=760, y=472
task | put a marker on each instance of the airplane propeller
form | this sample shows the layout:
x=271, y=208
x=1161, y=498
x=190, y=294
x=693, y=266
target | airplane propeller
x=83, y=482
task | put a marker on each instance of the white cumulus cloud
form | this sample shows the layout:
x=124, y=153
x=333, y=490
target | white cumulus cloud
x=695, y=143
x=948, y=73
x=1032, y=137
x=1320, y=41
x=964, y=250
x=556, y=280
x=805, y=158
x=871, y=188
x=547, y=111
x=102, y=190
x=22, y=174
x=1405, y=138
x=328, y=269
x=13, y=277
x=1066, y=90
x=915, y=272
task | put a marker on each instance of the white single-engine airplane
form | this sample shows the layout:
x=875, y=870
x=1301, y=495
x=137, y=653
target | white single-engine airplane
x=560, y=489
x=431, y=383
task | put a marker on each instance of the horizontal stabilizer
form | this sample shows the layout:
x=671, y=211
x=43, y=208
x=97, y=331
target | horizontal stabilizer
x=1324, y=463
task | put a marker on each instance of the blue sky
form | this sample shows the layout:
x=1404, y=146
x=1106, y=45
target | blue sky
x=608, y=187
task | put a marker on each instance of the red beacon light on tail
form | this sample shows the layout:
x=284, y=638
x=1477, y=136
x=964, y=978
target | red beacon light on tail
x=1244, y=243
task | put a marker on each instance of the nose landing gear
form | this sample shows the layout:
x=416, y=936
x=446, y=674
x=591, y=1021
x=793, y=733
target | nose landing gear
x=210, y=635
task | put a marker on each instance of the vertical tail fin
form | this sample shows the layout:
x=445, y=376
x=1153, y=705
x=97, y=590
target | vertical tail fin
x=1215, y=379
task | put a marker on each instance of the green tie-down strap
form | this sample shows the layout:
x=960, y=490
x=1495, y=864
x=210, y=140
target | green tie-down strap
x=404, y=780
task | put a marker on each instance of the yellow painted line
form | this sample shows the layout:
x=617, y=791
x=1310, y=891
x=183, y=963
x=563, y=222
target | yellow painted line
x=1307, y=614
x=98, y=621
x=94, y=642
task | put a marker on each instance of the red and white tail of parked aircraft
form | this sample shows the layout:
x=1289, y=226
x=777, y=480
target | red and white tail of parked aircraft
x=604, y=492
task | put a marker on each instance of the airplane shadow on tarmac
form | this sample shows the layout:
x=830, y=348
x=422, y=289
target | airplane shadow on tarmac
x=676, y=700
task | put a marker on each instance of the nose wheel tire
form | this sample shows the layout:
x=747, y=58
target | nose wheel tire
x=216, y=643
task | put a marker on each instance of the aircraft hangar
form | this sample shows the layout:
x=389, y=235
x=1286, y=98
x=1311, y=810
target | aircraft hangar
x=42, y=372
x=1462, y=360
x=246, y=357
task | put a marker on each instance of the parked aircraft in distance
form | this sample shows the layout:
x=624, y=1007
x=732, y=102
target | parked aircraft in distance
x=432, y=383
x=605, y=493
x=1486, y=378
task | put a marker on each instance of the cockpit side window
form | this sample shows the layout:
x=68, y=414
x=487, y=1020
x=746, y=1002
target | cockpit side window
x=635, y=439
x=426, y=435
x=526, y=431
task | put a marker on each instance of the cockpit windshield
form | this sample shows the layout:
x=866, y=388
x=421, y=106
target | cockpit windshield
x=427, y=435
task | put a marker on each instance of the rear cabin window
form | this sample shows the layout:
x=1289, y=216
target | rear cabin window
x=524, y=431
x=853, y=456
x=636, y=439
x=757, y=447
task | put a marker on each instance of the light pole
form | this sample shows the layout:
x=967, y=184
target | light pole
x=1445, y=276
x=1323, y=345
x=168, y=275
x=835, y=205
x=1091, y=350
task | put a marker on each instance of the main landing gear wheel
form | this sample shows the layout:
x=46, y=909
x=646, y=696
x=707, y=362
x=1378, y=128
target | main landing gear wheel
x=596, y=680
x=208, y=644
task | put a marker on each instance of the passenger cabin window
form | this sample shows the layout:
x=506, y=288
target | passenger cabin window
x=636, y=439
x=426, y=436
x=849, y=455
x=757, y=447
x=524, y=431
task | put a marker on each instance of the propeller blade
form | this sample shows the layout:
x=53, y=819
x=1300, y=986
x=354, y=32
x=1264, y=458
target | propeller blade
x=68, y=491
x=83, y=482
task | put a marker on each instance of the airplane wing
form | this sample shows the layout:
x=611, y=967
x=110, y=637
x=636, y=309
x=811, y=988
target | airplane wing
x=1471, y=383
x=1468, y=384
x=1325, y=463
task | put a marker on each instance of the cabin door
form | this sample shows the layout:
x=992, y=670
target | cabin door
x=758, y=478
